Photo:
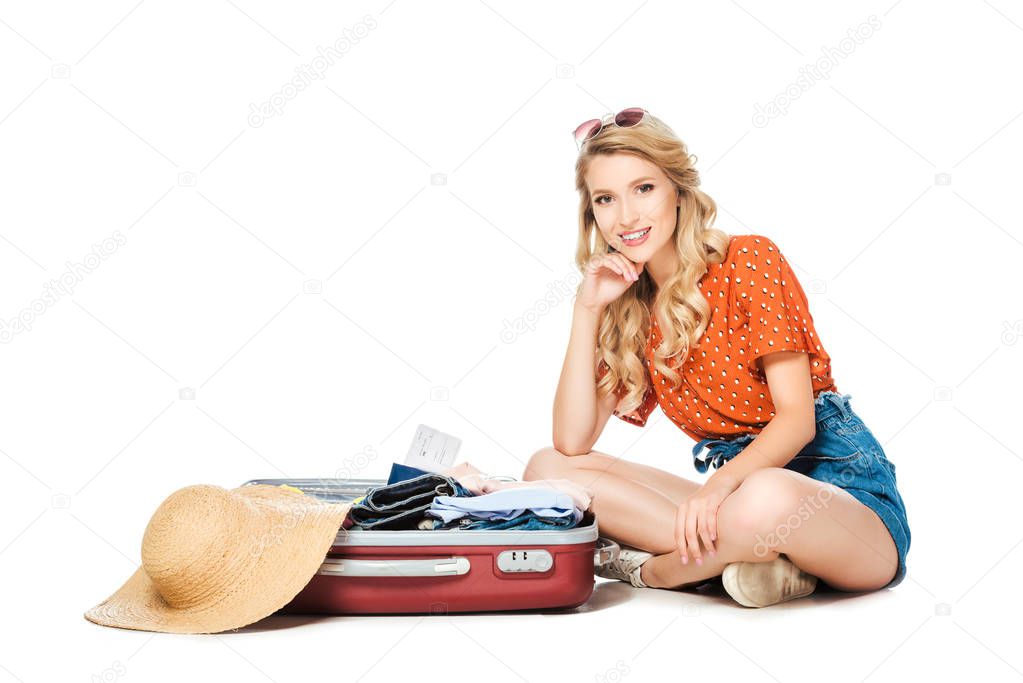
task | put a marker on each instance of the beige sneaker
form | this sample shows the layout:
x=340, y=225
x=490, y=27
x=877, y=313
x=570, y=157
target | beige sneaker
x=759, y=584
x=626, y=567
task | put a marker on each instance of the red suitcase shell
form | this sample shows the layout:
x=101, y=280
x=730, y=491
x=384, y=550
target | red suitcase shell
x=447, y=570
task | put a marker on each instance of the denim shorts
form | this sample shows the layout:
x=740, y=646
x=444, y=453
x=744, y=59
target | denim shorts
x=844, y=452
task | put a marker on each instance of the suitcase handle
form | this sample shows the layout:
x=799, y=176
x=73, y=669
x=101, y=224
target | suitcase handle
x=444, y=566
x=605, y=552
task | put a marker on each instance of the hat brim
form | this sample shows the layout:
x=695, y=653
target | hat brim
x=284, y=570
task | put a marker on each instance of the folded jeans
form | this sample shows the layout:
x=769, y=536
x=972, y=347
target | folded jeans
x=402, y=505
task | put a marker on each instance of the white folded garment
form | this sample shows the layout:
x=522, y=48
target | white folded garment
x=470, y=476
x=505, y=504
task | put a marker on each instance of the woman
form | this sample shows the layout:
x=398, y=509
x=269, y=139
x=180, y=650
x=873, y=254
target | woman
x=801, y=489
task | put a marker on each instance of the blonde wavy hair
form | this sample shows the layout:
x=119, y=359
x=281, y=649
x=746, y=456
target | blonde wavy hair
x=681, y=307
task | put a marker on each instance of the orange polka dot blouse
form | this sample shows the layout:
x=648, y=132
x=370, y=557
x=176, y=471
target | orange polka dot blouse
x=757, y=307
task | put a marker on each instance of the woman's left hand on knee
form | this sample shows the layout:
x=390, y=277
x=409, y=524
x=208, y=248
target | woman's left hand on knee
x=696, y=519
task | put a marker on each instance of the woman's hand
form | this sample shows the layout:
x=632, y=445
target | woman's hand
x=607, y=276
x=696, y=519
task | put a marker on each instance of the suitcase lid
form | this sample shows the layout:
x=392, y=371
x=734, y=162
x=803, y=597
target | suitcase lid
x=325, y=488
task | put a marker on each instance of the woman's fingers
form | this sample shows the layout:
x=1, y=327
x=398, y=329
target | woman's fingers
x=618, y=263
x=611, y=264
x=692, y=542
x=705, y=531
x=637, y=267
x=624, y=266
x=680, y=532
x=629, y=266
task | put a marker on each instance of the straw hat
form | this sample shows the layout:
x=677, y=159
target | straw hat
x=214, y=559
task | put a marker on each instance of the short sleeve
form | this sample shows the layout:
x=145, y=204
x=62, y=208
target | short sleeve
x=638, y=416
x=776, y=308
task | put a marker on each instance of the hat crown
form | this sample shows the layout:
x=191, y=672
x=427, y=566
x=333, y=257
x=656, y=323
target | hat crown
x=190, y=548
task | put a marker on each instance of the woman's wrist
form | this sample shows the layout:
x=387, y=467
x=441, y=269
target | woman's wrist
x=581, y=307
x=723, y=480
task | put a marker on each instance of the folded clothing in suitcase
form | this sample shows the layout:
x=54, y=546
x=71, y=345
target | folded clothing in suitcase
x=436, y=571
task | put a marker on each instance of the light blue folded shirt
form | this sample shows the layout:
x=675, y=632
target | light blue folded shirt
x=506, y=504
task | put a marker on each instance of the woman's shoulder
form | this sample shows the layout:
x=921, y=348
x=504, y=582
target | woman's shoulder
x=750, y=244
x=748, y=239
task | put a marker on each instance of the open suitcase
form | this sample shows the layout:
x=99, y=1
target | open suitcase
x=446, y=570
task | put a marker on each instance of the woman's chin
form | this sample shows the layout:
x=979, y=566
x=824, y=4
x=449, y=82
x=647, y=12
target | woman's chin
x=640, y=252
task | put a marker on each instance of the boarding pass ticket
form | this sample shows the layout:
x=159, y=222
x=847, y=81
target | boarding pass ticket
x=432, y=450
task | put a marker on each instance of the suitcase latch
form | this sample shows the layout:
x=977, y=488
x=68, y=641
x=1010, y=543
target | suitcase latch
x=525, y=560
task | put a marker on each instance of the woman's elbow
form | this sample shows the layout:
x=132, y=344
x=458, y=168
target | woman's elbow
x=570, y=448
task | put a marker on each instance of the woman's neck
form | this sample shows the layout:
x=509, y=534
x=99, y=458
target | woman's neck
x=662, y=265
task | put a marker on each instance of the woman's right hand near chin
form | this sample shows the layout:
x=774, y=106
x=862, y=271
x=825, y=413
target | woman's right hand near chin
x=607, y=276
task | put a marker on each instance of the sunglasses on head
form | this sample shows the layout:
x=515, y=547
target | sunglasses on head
x=626, y=118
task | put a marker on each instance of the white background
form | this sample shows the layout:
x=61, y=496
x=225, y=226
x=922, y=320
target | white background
x=322, y=294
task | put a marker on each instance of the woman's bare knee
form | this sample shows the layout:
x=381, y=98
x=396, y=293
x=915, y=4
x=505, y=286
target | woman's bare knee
x=753, y=511
x=546, y=463
x=765, y=498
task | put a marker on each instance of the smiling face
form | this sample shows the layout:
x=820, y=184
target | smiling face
x=634, y=203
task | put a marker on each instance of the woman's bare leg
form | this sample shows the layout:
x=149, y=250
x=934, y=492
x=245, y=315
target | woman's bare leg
x=821, y=529
x=635, y=503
